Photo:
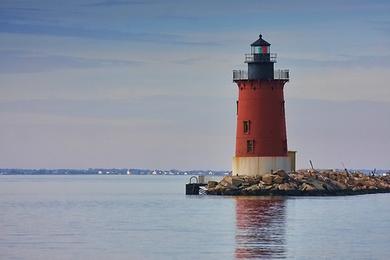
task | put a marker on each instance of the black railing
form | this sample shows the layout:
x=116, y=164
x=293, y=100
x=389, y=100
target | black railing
x=282, y=74
x=266, y=57
x=278, y=74
x=240, y=74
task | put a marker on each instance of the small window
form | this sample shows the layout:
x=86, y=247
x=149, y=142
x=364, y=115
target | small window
x=250, y=146
x=247, y=126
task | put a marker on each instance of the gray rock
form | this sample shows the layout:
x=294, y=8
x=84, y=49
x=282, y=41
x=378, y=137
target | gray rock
x=267, y=179
x=212, y=184
x=252, y=188
x=282, y=174
x=307, y=187
x=278, y=179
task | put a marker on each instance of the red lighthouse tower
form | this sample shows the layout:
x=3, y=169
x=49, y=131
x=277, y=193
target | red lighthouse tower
x=261, y=139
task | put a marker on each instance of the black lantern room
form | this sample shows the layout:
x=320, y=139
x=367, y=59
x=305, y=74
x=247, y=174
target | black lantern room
x=260, y=60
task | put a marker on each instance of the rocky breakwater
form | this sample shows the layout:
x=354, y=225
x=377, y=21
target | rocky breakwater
x=301, y=183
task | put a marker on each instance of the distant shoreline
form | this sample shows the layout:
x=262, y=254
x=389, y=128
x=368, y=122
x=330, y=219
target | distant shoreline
x=136, y=171
x=114, y=171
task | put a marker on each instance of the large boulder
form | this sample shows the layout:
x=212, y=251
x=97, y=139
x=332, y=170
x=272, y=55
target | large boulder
x=286, y=187
x=318, y=185
x=382, y=185
x=267, y=179
x=278, y=179
x=307, y=187
x=358, y=175
x=252, y=179
x=219, y=187
x=252, y=189
x=246, y=184
x=226, y=181
x=237, y=181
x=282, y=174
x=299, y=176
x=212, y=184
x=231, y=181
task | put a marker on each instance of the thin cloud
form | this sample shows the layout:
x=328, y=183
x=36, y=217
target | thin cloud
x=100, y=34
x=109, y=3
x=2, y=9
x=366, y=61
x=25, y=62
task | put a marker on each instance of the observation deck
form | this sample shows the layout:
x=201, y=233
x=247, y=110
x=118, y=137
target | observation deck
x=278, y=75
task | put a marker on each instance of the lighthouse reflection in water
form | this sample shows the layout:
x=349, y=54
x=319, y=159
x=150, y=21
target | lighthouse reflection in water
x=260, y=227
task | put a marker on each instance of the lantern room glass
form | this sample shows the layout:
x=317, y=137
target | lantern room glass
x=259, y=49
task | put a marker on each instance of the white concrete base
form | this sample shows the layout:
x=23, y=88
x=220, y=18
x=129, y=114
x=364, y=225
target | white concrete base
x=260, y=165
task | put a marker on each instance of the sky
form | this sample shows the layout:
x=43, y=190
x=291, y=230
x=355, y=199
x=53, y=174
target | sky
x=148, y=84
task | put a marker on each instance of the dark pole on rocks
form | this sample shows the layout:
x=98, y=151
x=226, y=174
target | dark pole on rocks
x=311, y=164
x=345, y=168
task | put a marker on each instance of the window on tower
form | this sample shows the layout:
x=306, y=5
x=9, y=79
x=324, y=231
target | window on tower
x=247, y=126
x=282, y=107
x=250, y=146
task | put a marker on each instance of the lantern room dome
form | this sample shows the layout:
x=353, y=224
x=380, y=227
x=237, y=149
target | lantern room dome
x=260, y=42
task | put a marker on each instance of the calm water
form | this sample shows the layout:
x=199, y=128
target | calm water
x=149, y=217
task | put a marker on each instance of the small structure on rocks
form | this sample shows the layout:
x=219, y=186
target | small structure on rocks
x=301, y=183
x=195, y=187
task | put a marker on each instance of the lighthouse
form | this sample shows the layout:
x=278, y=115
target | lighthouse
x=261, y=138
